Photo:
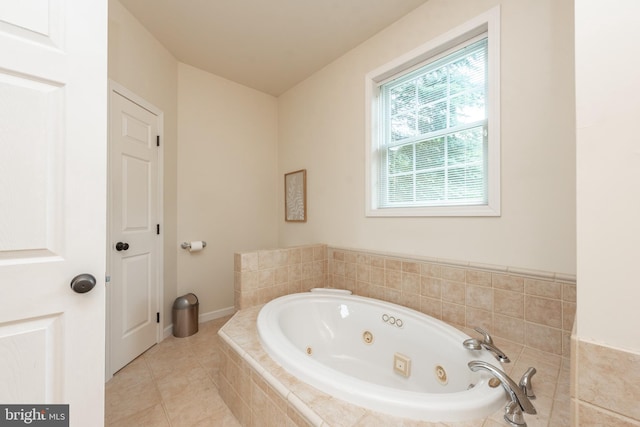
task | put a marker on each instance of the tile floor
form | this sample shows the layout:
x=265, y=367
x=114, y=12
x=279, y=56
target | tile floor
x=172, y=384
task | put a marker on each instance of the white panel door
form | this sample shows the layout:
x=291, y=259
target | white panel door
x=53, y=135
x=133, y=289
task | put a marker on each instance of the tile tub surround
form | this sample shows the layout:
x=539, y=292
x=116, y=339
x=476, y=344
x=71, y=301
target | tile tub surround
x=260, y=276
x=605, y=385
x=259, y=392
x=527, y=307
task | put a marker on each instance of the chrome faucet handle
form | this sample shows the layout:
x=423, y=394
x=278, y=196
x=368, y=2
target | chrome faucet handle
x=487, y=337
x=513, y=415
x=525, y=383
x=513, y=390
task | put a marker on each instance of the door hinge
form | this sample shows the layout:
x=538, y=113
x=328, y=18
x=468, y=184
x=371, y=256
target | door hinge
x=157, y=228
x=157, y=140
x=158, y=317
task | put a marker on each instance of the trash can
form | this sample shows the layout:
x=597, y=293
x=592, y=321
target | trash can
x=185, y=315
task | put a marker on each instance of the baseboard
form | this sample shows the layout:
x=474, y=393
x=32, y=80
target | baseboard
x=167, y=331
x=216, y=314
x=204, y=317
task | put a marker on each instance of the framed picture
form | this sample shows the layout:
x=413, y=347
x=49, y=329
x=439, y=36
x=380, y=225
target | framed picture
x=295, y=196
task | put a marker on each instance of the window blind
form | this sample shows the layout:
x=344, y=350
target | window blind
x=434, y=126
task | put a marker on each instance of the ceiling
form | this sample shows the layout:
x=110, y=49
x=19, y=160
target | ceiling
x=268, y=45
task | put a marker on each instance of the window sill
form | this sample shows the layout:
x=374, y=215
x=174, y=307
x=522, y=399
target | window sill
x=435, y=211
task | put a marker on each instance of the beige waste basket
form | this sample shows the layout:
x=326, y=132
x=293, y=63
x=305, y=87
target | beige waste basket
x=185, y=315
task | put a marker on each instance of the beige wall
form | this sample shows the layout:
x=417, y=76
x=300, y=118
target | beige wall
x=141, y=64
x=608, y=101
x=227, y=180
x=321, y=129
x=606, y=343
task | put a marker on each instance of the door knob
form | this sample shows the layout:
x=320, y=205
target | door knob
x=120, y=246
x=83, y=283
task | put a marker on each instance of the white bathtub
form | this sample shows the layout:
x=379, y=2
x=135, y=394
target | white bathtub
x=348, y=346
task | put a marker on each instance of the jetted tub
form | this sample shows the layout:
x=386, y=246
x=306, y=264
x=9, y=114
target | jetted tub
x=378, y=355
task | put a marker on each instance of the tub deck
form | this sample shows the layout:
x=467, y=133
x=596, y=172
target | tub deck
x=259, y=392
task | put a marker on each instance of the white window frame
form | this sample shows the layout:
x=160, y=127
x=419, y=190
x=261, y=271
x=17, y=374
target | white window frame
x=489, y=23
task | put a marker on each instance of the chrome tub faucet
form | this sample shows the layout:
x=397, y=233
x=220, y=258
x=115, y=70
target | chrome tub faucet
x=517, y=393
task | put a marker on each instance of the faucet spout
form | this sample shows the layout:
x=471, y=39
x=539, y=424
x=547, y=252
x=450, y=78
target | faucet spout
x=475, y=344
x=496, y=351
x=515, y=392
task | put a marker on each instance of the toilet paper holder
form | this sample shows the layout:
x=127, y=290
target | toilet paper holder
x=187, y=245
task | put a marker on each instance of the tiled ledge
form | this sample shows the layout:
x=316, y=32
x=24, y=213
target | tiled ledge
x=260, y=392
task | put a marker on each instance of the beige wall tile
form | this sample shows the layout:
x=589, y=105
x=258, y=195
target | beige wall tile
x=507, y=282
x=410, y=300
x=453, y=291
x=454, y=313
x=569, y=292
x=249, y=261
x=350, y=270
x=377, y=292
x=508, y=303
x=377, y=261
x=510, y=328
x=362, y=289
x=281, y=275
x=377, y=276
x=431, y=307
x=478, y=277
x=249, y=280
x=566, y=344
x=476, y=317
x=338, y=267
x=392, y=279
x=543, y=338
x=363, y=272
x=363, y=259
x=349, y=284
x=295, y=272
x=568, y=315
x=411, y=267
x=430, y=287
x=266, y=277
x=479, y=297
x=392, y=295
x=265, y=259
x=392, y=264
x=295, y=256
x=350, y=257
x=454, y=274
x=543, y=288
x=430, y=269
x=319, y=252
x=591, y=416
x=410, y=283
x=609, y=378
x=281, y=258
x=306, y=254
x=543, y=310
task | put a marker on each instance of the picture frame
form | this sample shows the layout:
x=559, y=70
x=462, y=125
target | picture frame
x=295, y=196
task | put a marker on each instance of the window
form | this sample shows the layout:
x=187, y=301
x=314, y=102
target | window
x=434, y=118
